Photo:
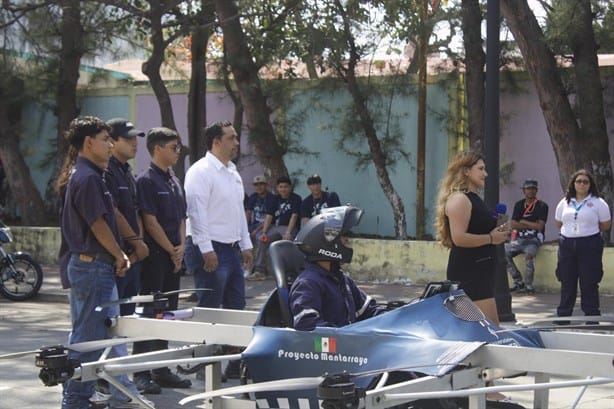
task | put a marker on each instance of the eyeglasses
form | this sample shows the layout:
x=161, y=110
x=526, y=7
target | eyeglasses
x=582, y=181
x=176, y=148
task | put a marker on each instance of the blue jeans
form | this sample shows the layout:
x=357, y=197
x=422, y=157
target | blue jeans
x=128, y=286
x=92, y=284
x=227, y=281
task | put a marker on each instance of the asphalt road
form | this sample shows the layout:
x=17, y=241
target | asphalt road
x=45, y=321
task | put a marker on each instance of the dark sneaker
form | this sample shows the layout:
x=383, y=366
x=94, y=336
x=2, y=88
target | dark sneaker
x=146, y=385
x=561, y=322
x=530, y=290
x=132, y=404
x=166, y=379
x=517, y=286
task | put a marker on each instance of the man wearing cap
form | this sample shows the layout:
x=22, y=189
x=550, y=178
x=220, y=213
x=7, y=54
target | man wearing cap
x=255, y=212
x=317, y=200
x=91, y=236
x=528, y=223
x=122, y=186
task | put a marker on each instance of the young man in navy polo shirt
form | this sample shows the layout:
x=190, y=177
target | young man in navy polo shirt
x=120, y=182
x=317, y=200
x=281, y=221
x=162, y=204
x=91, y=236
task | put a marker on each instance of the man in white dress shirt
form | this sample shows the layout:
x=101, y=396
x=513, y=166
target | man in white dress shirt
x=218, y=248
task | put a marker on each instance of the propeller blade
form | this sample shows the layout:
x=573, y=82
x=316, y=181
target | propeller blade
x=281, y=385
x=294, y=384
x=130, y=300
x=574, y=319
x=159, y=295
x=80, y=347
x=15, y=355
x=146, y=298
x=88, y=346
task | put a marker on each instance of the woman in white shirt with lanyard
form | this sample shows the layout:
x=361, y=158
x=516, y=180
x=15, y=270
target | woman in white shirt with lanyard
x=581, y=216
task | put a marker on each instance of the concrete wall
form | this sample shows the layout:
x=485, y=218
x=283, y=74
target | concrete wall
x=389, y=261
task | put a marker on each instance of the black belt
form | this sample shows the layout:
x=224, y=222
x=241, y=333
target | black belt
x=102, y=257
x=233, y=244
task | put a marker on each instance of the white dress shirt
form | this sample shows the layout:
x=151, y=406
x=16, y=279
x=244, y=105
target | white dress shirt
x=214, y=195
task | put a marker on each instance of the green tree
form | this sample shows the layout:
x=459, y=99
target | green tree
x=578, y=133
x=254, y=101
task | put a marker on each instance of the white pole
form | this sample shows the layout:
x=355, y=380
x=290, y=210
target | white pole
x=488, y=389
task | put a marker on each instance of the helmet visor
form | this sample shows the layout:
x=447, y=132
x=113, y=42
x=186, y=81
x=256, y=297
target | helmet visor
x=339, y=221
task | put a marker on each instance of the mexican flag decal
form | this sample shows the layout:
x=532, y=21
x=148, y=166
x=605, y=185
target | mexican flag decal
x=325, y=345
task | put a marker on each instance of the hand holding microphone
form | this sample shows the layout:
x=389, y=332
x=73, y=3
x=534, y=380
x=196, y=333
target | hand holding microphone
x=501, y=233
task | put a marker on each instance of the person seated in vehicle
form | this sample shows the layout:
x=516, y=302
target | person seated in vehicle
x=323, y=295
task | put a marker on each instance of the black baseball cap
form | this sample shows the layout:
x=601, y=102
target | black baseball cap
x=529, y=183
x=121, y=127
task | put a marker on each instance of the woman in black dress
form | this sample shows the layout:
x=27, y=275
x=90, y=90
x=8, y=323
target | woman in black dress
x=469, y=228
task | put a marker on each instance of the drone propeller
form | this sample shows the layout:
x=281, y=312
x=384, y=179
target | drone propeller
x=563, y=321
x=294, y=384
x=146, y=298
x=80, y=347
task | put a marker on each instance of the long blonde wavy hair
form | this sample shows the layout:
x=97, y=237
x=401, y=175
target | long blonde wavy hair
x=453, y=181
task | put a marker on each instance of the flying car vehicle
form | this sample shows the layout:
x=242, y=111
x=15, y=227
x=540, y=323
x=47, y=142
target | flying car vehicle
x=439, y=349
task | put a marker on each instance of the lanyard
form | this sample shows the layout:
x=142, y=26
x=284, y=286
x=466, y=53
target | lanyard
x=528, y=208
x=575, y=205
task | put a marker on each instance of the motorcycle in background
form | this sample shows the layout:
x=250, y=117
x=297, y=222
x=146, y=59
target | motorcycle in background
x=21, y=276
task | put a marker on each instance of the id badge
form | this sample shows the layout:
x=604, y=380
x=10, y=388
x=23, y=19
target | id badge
x=575, y=228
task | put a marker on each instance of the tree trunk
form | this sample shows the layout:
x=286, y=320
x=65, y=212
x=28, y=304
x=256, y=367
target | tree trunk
x=197, y=96
x=421, y=150
x=574, y=147
x=237, y=116
x=72, y=49
x=560, y=119
x=151, y=68
x=366, y=121
x=257, y=112
x=474, y=71
x=23, y=189
x=593, y=131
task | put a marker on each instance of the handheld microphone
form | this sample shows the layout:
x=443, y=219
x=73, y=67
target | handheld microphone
x=501, y=209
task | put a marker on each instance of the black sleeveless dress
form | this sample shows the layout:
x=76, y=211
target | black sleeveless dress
x=474, y=267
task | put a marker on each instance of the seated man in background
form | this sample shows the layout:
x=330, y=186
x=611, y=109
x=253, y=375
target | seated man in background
x=528, y=223
x=281, y=222
x=318, y=199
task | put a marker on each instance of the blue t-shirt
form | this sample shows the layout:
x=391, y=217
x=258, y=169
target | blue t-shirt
x=257, y=205
x=283, y=209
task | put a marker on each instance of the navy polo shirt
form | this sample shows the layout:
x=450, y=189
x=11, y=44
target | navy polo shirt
x=283, y=209
x=159, y=194
x=120, y=182
x=86, y=199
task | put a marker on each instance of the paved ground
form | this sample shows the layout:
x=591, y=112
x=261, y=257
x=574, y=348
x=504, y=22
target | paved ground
x=45, y=321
